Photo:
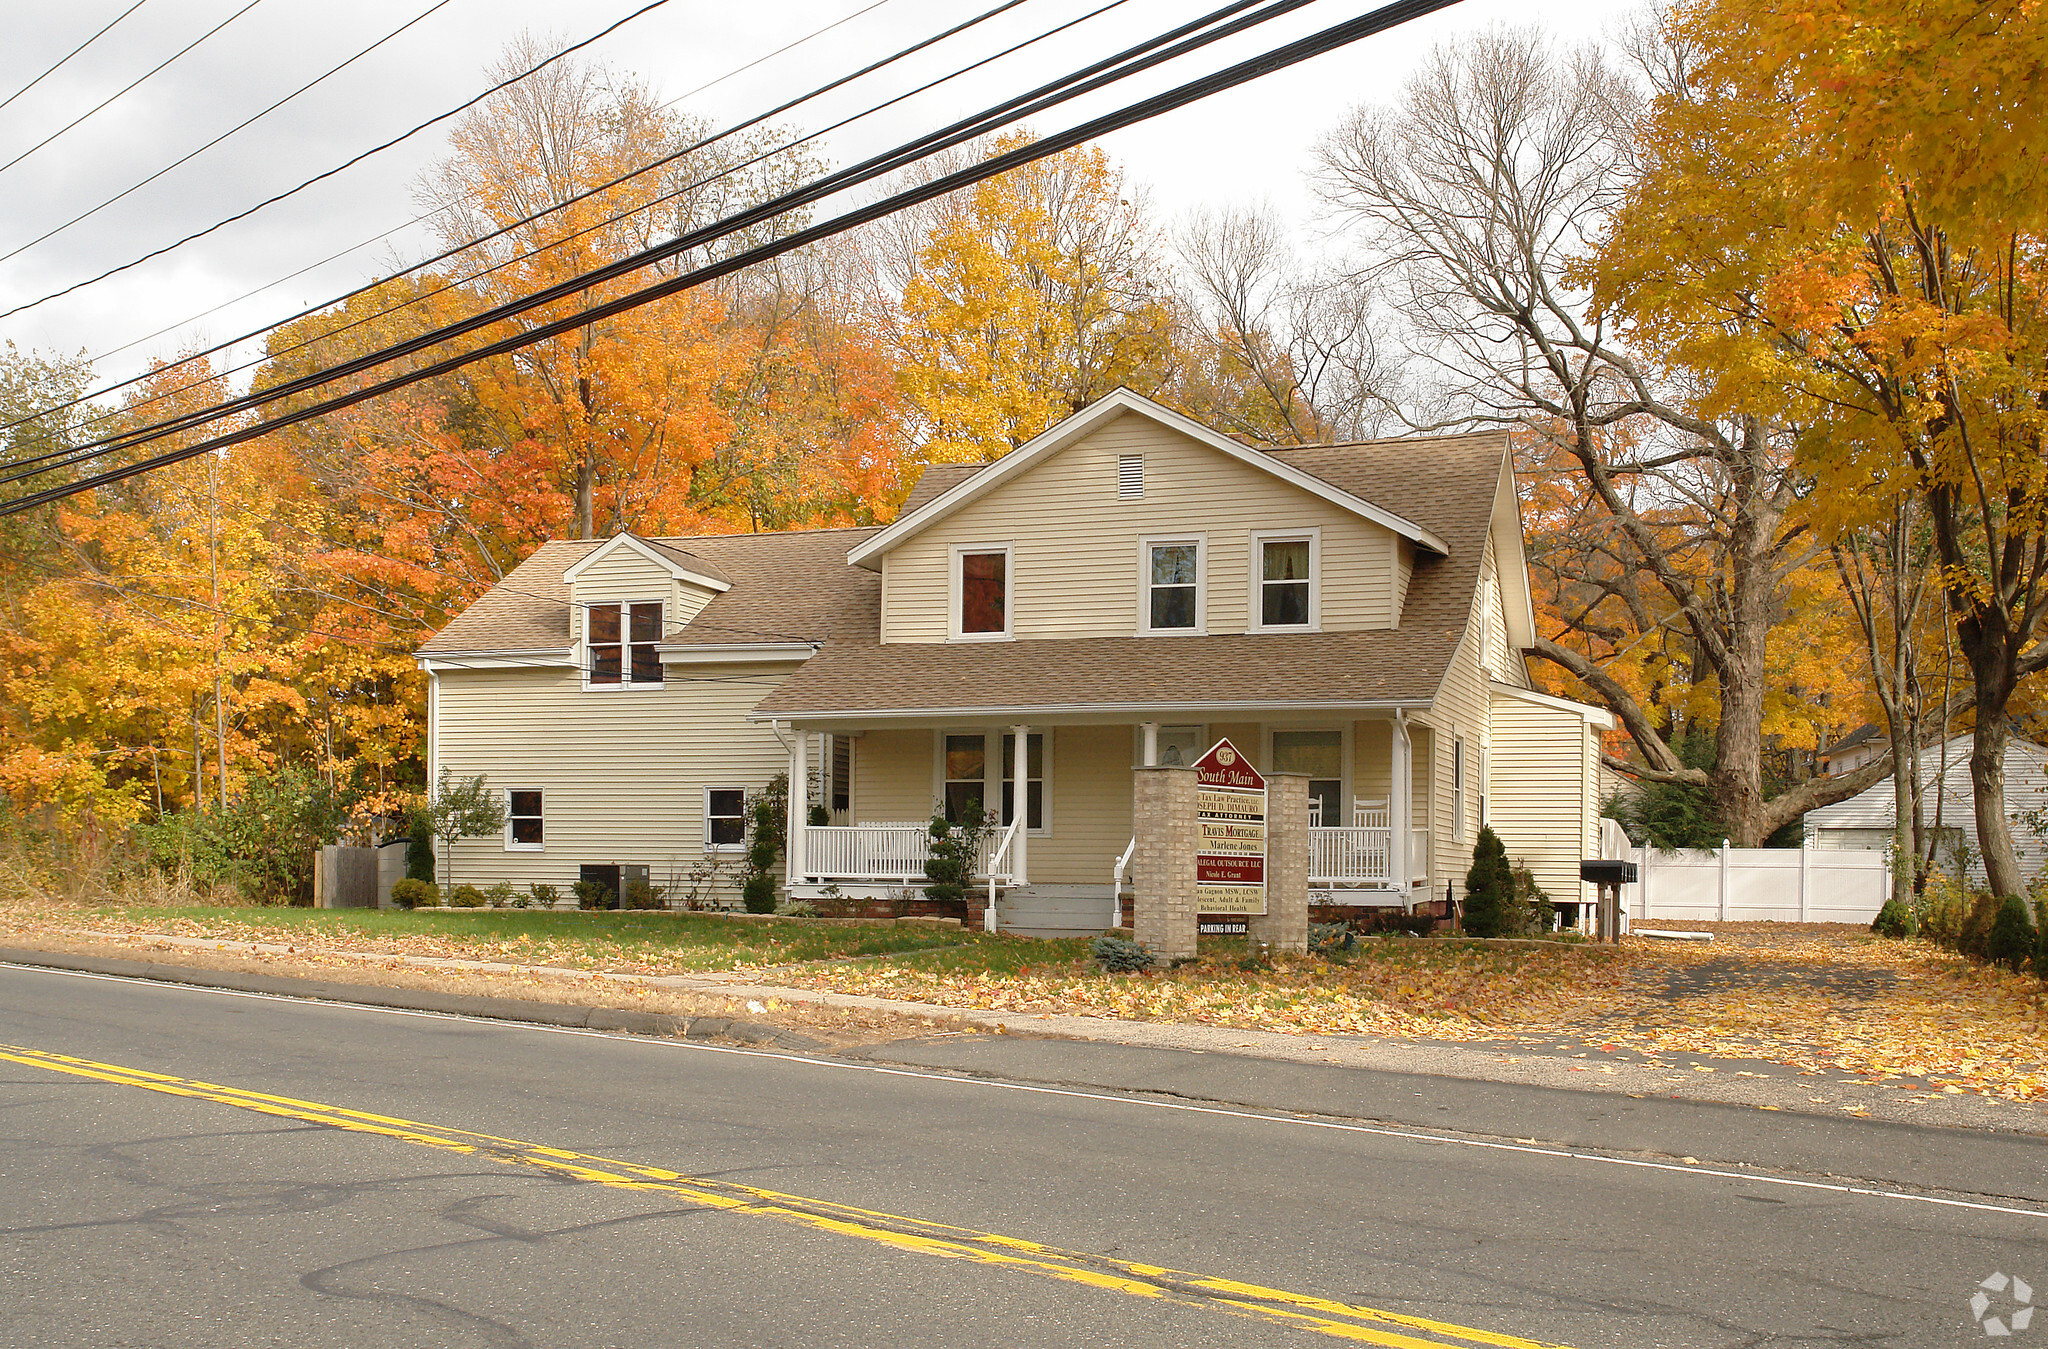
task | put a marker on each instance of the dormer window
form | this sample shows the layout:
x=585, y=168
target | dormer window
x=1284, y=590
x=624, y=644
x=981, y=593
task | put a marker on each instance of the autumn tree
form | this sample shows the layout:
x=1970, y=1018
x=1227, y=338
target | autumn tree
x=1473, y=195
x=1842, y=218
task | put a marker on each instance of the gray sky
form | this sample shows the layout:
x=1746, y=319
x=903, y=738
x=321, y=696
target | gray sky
x=1245, y=146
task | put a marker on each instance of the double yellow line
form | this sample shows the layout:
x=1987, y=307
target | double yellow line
x=1347, y=1321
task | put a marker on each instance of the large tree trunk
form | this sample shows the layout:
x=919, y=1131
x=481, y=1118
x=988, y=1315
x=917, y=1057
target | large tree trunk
x=1987, y=782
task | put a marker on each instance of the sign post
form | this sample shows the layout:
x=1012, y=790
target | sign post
x=1230, y=834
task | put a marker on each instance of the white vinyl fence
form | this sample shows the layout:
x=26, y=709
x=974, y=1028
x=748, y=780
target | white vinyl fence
x=1783, y=885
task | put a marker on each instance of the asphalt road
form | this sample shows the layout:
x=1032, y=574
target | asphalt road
x=189, y=1167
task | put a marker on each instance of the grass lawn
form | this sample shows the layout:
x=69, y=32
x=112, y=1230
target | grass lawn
x=643, y=943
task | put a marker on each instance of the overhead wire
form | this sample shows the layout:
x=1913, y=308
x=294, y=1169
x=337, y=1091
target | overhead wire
x=421, y=298
x=1225, y=22
x=461, y=248
x=1326, y=40
x=418, y=219
x=66, y=57
x=243, y=125
x=128, y=88
x=399, y=139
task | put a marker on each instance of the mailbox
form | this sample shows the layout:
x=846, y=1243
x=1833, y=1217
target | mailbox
x=1607, y=871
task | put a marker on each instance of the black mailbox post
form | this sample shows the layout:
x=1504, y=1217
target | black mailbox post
x=1610, y=874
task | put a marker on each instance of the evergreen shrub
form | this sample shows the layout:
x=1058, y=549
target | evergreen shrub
x=2012, y=936
x=412, y=893
x=1490, y=890
x=1895, y=919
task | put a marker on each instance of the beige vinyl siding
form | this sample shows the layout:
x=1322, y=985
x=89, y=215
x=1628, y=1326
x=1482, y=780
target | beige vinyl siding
x=1461, y=710
x=1074, y=558
x=1404, y=570
x=892, y=777
x=623, y=771
x=1541, y=804
x=1089, y=809
x=1507, y=665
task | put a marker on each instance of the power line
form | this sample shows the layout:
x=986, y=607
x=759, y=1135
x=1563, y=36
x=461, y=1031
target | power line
x=127, y=89
x=1132, y=60
x=426, y=215
x=322, y=177
x=19, y=464
x=1279, y=58
x=602, y=187
x=240, y=126
x=73, y=52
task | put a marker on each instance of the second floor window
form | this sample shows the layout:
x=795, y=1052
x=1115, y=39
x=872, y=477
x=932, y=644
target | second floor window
x=984, y=593
x=624, y=643
x=1172, y=586
x=1284, y=583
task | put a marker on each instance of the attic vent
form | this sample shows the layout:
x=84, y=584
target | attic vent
x=1130, y=475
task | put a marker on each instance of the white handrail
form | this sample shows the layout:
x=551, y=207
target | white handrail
x=995, y=861
x=1116, y=884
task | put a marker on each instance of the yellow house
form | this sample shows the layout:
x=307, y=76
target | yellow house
x=1127, y=588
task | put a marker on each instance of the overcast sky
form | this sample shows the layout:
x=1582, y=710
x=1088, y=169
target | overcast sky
x=1248, y=145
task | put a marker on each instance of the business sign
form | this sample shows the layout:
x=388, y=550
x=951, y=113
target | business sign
x=1230, y=833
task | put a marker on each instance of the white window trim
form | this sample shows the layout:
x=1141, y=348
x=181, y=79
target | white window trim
x=624, y=606
x=954, y=589
x=1145, y=547
x=994, y=768
x=739, y=847
x=1256, y=565
x=512, y=845
x=1460, y=770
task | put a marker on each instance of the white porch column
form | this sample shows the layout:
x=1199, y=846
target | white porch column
x=1020, y=767
x=799, y=805
x=1400, y=791
x=1151, y=755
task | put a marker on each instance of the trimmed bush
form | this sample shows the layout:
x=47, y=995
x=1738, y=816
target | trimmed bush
x=640, y=895
x=797, y=908
x=419, y=851
x=465, y=897
x=1895, y=919
x=594, y=895
x=1118, y=954
x=501, y=894
x=413, y=892
x=2012, y=937
x=543, y=896
x=1490, y=908
x=1975, y=938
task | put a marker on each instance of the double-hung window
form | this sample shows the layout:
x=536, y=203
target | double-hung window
x=1320, y=755
x=624, y=643
x=725, y=819
x=1284, y=582
x=1034, y=780
x=1458, y=789
x=981, y=593
x=966, y=778
x=1172, y=586
x=524, y=825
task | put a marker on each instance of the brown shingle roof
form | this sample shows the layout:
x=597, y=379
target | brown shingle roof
x=1444, y=483
x=797, y=586
x=935, y=479
x=790, y=586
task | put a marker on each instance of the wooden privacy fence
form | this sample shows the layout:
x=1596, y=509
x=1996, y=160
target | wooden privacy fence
x=1781, y=885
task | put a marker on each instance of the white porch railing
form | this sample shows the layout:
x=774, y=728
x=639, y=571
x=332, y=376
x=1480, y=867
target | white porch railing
x=895, y=851
x=887, y=851
x=999, y=866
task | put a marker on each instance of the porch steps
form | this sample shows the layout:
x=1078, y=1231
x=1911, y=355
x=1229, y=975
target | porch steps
x=1053, y=910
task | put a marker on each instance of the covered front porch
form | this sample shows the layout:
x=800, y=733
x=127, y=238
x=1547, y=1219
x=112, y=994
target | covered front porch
x=1061, y=861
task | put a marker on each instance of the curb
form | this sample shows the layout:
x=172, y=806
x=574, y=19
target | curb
x=421, y=1000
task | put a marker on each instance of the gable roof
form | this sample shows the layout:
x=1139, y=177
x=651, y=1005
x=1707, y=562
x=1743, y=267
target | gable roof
x=974, y=486
x=1449, y=481
x=792, y=586
x=676, y=562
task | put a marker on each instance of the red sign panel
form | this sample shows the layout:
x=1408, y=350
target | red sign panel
x=1223, y=766
x=1213, y=870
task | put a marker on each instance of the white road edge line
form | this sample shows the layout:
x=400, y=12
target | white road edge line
x=1378, y=1131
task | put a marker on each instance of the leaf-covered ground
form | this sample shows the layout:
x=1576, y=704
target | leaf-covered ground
x=1817, y=997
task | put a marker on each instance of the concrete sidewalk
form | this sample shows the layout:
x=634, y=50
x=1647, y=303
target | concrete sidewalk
x=1563, y=1064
